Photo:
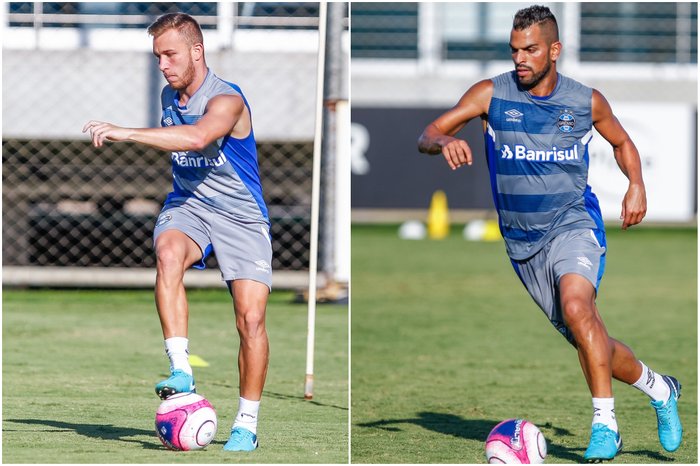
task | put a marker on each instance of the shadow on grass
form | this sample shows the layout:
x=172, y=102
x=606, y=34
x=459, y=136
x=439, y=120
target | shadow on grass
x=98, y=431
x=284, y=396
x=478, y=430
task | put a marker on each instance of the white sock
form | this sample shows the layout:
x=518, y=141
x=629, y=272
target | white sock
x=652, y=384
x=179, y=355
x=247, y=416
x=604, y=412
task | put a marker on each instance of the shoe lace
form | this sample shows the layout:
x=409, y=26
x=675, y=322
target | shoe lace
x=240, y=435
x=664, y=414
x=601, y=436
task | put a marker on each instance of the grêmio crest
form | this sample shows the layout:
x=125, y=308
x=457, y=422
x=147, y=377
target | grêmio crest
x=566, y=121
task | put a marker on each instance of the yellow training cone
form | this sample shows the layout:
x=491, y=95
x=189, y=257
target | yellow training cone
x=438, y=216
x=196, y=361
x=492, y=232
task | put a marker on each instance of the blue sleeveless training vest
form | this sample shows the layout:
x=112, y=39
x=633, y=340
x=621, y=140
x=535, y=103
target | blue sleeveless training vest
x=224, y=177
x=537, y=153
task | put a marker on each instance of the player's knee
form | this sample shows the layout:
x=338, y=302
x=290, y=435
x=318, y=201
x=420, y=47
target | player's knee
x=169, y=259
x=578, y=313
x=250, y=322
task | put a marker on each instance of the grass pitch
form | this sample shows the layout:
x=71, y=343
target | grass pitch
x=79, y=369
x=446, y=343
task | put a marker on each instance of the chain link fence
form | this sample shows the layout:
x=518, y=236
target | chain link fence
x=68, y=204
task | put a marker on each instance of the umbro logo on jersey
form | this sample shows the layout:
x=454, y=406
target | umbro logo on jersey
x=168, y=121
x=514, y=115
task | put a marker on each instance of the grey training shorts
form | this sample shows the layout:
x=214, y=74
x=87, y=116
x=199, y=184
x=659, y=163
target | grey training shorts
x=577, y=251
x=243, y=249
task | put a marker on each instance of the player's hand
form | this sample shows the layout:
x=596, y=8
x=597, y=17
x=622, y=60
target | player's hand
x=634, y=205
x=457, y=153
x=101, y=132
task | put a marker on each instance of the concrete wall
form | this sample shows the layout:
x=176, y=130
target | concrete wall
x=51, y=94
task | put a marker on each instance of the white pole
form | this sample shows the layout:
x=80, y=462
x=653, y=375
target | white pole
x=226, y=11
x=315, y=201
x=342, y=193
x=571, y=36
x=429, y=40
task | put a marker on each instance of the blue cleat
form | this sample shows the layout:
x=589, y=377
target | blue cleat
x=668, y=422
x=178, y=382
x=604, y=445
x=241, y=440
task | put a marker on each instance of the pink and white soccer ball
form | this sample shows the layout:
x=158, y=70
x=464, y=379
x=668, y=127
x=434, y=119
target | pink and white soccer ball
x=516, y=441
x=186, y=421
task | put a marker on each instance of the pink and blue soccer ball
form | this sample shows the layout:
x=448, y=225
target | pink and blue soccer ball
x=186, y=421
x=516, y=441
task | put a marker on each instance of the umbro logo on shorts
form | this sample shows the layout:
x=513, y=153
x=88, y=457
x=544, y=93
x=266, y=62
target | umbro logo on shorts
x=584, y=261
x=163, y=219
x=262, y=266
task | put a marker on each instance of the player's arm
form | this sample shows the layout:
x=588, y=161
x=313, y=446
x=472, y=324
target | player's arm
x=438, y=136
x=634, y=204
x=221, y=115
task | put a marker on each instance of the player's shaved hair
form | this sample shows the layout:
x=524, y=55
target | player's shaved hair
x=541, y=16
x=187, y=26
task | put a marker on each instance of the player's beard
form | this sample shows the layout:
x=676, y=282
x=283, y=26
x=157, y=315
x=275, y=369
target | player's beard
x=530, y=83
x=187, y=77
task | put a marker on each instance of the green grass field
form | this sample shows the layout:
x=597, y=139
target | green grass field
x=79, y=369
x=446, y=343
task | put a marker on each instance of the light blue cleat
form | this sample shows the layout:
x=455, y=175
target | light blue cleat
x=178, y=382
x=604, y=445
x=668, y=422
x=241, y=440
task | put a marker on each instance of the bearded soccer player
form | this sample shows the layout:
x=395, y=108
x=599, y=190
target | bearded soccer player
x=537, y=125
x=216, y=205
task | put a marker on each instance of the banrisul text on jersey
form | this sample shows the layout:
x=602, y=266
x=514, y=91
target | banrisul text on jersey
x=521, y=152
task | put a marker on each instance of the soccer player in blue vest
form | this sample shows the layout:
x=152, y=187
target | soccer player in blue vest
x=216, y=205
x=537, y=126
